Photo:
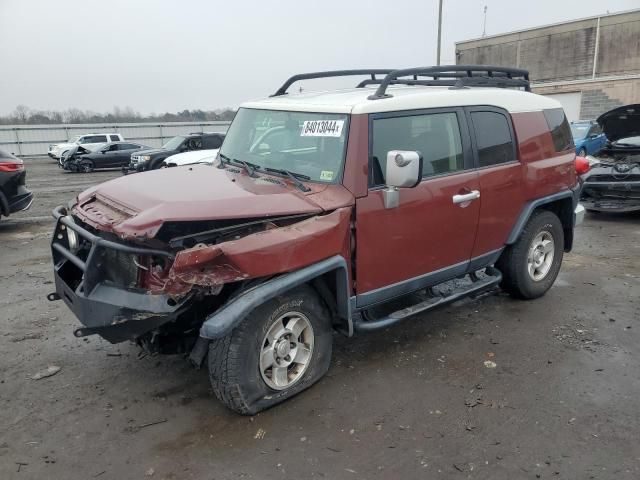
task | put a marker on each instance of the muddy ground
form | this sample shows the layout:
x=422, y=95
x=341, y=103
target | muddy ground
x=414, y=401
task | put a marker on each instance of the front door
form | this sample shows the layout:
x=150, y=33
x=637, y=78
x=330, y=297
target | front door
x=429, y=236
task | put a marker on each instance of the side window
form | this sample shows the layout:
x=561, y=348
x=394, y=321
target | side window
x=194, y=143
x=560, y=129
x=493, y=137
x=95, y=139
x=126, y=146
x=212, y=141
x=595, y=129
x=114, y=138
x=436, y=136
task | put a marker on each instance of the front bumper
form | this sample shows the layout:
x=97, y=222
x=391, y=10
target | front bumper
x=115, y=312
x=616, y=196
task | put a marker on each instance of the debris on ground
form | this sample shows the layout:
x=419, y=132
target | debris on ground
x=490, y=364
x=48, y=372
x=260, y=434
x=135, y=428
x=150, y=472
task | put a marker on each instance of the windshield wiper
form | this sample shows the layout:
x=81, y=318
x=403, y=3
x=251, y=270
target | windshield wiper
x=293, y=176
x=249, y=167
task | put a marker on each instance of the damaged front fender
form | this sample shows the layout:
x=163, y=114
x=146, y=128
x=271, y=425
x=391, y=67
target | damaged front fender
x=270, y=252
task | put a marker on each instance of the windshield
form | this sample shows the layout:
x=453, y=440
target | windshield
x=311, y=144
x=174, y=143
x=75, y=139
x=579, y=130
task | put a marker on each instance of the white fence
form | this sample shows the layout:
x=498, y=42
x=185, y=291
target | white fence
x=34, y=140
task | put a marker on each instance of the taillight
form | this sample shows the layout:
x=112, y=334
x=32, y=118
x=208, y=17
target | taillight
x=11, y=166
x=582, y=165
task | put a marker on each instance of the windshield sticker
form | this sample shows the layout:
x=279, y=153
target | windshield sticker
x=326, y=175
x=322, y=128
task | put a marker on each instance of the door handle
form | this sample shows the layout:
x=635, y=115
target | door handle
x=466, y=197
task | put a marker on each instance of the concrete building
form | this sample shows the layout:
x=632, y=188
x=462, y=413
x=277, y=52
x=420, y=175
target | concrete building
x=590, y=65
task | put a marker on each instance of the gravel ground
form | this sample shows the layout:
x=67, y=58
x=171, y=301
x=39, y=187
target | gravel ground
x=413, y=401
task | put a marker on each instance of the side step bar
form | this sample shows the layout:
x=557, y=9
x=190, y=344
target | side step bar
x=493, y=278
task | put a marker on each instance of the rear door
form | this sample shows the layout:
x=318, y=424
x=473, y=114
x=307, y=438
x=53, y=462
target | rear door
x=429, y=236
x=500, y=177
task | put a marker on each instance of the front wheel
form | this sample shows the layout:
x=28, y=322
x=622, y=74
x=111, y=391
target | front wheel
x=279, y=349
x=582, y=152
x=530, y=266
x=87, y=166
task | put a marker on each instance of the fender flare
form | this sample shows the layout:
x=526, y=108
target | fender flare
x=227, y=317
x=531, y=206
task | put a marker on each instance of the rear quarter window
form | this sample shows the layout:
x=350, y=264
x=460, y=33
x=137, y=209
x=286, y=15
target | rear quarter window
x=494, y=139
x=559, y=128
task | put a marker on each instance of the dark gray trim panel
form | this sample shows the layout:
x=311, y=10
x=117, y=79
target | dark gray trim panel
x=383, y=294
x=528, y=210
x=227, y=317
x=484, y=260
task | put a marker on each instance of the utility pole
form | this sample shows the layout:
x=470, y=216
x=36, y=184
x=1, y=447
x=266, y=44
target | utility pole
x=439, y=31
x=484, y=23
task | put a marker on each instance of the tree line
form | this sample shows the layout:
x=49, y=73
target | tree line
x=24, y=115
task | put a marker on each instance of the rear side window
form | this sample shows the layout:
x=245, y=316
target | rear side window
x=560, y=129
x=493, y=137
x=436, y=136
x=94, y=139
x=114, y=138
x=212, y=141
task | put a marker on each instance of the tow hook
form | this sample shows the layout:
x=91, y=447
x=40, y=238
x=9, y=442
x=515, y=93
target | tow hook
x=52, y=297
x=84, y=332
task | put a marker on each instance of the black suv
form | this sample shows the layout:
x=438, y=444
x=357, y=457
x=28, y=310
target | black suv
x=152, y=159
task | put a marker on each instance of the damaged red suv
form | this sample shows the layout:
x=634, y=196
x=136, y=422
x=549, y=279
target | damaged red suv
x=321, y=208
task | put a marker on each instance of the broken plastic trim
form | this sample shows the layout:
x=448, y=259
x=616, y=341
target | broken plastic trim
x=179, y=242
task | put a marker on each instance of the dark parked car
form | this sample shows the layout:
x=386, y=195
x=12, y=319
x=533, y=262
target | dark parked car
x=613, y=184
x=14, y=195
x=152, y=159
x=109, y=155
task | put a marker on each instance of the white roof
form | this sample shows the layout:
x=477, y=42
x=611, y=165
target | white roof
x=355, y=100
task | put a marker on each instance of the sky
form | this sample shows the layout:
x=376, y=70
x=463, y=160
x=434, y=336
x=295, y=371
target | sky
x=159, y=55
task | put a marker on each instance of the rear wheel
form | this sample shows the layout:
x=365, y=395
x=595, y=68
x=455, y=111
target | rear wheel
x=530, y=266
x=279, y=349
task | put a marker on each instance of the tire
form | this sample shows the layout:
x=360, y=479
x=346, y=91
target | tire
x=236, y=362
x=155, y=164
x=582, y=152
x=527, y=279
x=87, y=166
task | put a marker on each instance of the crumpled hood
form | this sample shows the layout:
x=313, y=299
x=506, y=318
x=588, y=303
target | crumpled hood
x=136, y=206
x=152, y=151
x=621, y=122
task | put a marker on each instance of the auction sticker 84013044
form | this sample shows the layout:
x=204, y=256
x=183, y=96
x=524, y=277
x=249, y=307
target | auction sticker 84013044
x=322, y=128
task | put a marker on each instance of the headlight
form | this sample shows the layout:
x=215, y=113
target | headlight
x=145, y=157
x=72, y=236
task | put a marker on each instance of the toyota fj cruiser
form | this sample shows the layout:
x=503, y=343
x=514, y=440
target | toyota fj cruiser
x=419, y=186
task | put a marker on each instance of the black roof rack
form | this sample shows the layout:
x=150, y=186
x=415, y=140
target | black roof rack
x=334, y=73
x=458, y=76
x=455, y=76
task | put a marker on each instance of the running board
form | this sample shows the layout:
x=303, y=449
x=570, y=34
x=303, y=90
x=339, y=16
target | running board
x=493, y=278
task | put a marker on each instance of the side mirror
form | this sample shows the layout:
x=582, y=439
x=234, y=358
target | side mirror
x=404, y=170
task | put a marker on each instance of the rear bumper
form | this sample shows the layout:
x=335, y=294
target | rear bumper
x=22, y=201
x=578, y=215
x=115, y=312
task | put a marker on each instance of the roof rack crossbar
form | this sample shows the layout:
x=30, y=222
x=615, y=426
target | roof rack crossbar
x=476, y=75
x=335, y=73
x=454, y=82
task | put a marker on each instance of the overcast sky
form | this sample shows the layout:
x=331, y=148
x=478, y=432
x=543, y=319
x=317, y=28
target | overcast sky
x=161, y=55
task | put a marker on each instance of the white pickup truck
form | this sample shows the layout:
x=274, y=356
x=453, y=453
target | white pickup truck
x=88, y=140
